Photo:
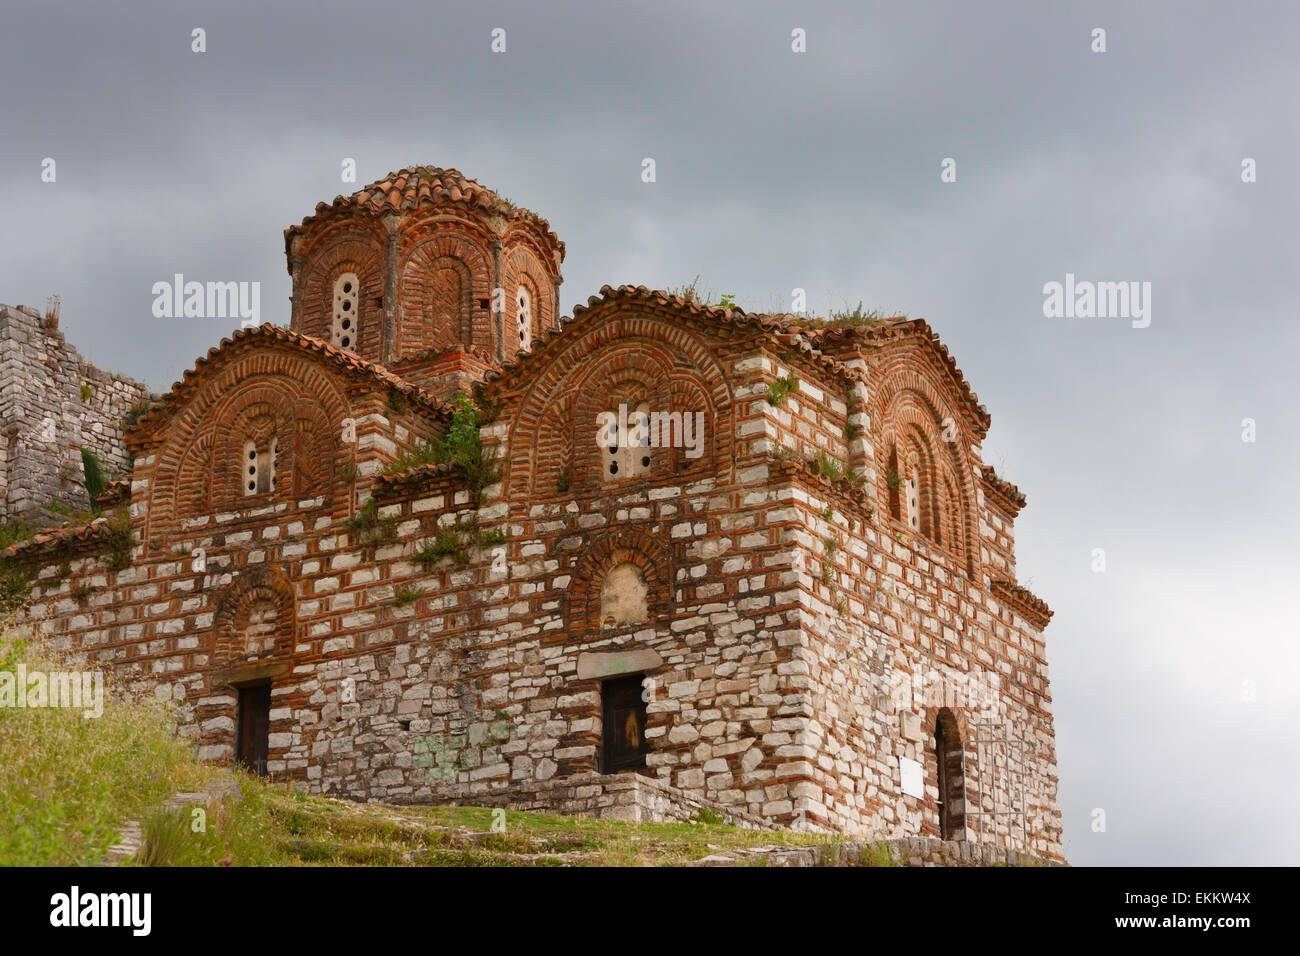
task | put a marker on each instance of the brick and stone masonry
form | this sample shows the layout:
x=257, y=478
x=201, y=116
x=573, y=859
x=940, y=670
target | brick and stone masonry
x=821, y=606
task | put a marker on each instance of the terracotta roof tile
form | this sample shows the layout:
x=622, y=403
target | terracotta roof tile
x=786, y=336
x=1010, y=497
x=406, y=190
x=415, y=477
x=245, y=338
x=1031, y=607
x=883, y=335
x=52, y=539
x=114, y=493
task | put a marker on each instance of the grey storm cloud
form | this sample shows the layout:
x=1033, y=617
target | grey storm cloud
x=819, y=170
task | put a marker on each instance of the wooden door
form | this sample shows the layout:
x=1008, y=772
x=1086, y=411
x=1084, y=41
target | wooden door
x=254, y=726
x=623, y=719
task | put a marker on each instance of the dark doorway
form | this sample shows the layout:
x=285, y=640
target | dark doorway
x=950, y=768
x=623, y=717
x=253, y=727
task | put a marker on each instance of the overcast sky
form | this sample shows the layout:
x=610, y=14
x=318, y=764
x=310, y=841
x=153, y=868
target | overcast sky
x=1172, y=670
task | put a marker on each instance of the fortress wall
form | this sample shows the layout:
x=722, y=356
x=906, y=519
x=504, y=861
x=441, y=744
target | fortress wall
x=52, y=404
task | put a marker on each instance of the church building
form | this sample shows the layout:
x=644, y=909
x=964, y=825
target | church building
x=431, y=541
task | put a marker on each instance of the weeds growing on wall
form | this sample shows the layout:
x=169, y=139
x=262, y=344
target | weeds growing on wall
x=456, y=542
x=369, y=530
x=118, y=541
x=461, y=446
x=778, y=391
x=824, y=464
x=96, y=479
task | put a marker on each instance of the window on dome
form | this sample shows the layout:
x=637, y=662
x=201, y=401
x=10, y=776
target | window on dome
x=524, y=312
x=347, y=293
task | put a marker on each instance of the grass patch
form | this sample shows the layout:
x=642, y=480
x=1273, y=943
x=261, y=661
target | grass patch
x=72, y=783
x=849, y=317
x=407, y=595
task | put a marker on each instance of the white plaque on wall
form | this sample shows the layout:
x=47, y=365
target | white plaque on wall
x=913, y=778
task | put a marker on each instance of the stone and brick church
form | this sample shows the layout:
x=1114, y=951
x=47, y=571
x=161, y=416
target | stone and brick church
x=698, y=557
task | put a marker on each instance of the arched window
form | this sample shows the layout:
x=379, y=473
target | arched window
x=347, y=294
x=257, y=466
x=912, y=492
x=628, y=453
x=524, y=313
x=623, y=596
x=894, y=481
x=913, y=497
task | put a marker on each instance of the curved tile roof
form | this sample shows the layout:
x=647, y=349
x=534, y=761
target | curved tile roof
x=892, y=330
x=774, y=325
x=50, y=540
x=405, y=190
x=1011, y=497
x=341, y=359
x=1029, y=605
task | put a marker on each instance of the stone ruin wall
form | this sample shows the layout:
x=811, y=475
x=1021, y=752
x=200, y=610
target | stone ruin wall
x=52, y=404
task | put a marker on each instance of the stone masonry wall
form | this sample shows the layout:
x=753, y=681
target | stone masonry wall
x=52, y=404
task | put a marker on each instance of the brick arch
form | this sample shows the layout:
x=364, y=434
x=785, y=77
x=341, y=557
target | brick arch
x=912, y=412
x=512, y=284
x=443, y=267
x=689, y=392
x=609, y=550
x=553, y=450
x=629, y=377
x=520, y=237
x=195, y=435
x=333, y=255
x=521, y=266
x=194, y=478
x=934, y=716
x=255, y=620
x=683, y=360
x=314, y=449
x=258, y=411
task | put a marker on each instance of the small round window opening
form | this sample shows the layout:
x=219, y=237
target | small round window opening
x=628, y=455
x=524, y=312
x=347, y=294
x=257, y=468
